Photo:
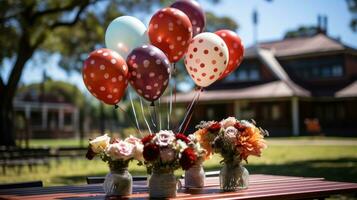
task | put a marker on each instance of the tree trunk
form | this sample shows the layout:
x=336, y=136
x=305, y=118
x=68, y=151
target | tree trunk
x=8, y=91
x=7, y=136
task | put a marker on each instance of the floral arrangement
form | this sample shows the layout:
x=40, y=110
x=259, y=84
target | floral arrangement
x=166, y=150
x=234, y=139
x=115, y=152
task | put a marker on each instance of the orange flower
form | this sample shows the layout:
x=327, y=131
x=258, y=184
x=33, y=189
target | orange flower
x=250, y=142
x=204, y=138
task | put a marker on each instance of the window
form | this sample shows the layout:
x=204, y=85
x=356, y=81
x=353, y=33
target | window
x=337, y=70
x=316, y=68
x=246, y=72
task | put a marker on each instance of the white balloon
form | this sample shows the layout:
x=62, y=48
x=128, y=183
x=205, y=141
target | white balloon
x=206, y=58
x=124, y=34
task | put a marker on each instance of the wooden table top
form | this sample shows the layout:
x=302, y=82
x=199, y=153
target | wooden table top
x=261, y=187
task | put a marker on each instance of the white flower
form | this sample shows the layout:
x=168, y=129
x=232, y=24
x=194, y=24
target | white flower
x=164, y=138
x=121, y=150
x=138, y=147
x=167, y=155
x=230, y=121
x=192, y=138
x=246, y=123
x=181, y=145
x=231, y=133
x=99, y=144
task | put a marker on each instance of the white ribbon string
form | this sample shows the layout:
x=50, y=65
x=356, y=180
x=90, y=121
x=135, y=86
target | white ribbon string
x=142, y=111
x=136, y=119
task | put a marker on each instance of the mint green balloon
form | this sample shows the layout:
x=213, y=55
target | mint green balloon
x=124, y=34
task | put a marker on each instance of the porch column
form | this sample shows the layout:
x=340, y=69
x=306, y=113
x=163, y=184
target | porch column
x=60, y=118
x=44, y=116
x=27, y=112
x=237, y=110
x=295, y=115
x=75, y=122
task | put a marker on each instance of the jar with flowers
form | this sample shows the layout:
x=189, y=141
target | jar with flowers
x=164, y=152
x=117, y=154
x=234, y=140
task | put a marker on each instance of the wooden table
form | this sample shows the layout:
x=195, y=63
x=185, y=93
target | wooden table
x=261, y=187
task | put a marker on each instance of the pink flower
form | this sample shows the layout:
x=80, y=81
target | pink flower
x=231, y=133
x=121, y=150
x=132, y=140
x=138, y=147
x=230, y=121
x=164, y=138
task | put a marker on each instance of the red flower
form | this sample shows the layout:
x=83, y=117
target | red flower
x=147, y=139
x=90, y=153
x=215, y=127
x=188, y=158
x=151, y=152
x=239, y=127
x=182, y=137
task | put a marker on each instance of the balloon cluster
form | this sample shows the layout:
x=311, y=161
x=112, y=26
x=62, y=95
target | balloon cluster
x=143, y=57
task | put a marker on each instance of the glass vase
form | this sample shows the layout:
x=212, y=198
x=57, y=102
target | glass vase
x=195, y=176
x=233, y=176
x=118, y=181
x=162, y=184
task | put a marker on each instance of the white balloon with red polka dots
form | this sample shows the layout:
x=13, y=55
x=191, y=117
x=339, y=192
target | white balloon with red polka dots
x=206, y=58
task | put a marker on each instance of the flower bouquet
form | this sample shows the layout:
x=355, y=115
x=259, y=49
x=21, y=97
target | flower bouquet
x=163, y=153
x=234, y=140
x=117, y=153
x=195, y=175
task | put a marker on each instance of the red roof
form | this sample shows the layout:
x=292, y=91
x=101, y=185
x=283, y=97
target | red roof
x=274, y=89
x=319, y=43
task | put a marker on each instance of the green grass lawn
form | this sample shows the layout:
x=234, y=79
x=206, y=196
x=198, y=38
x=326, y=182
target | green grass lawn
x=333, y=162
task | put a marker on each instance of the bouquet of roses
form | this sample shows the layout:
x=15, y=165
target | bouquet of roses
x=234, y=139
x=115, y=152
x=166, y=150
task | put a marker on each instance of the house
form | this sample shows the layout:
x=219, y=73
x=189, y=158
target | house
x=45, y=114
x=284, y=84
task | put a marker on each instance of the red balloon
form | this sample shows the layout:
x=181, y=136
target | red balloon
x=171, y=31
x=235, y=48
x=105, y=75
x=149, y=71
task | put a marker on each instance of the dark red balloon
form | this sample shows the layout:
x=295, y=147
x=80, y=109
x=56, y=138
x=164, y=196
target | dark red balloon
x=171, y=31
x=194, y=12
x=235, y=48
x=149, y=71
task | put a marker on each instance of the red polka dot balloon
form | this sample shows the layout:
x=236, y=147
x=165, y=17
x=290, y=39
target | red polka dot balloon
x=170, y=30
x=105, y=75
x=235, y=48
x=149, y=71
x=206, y=58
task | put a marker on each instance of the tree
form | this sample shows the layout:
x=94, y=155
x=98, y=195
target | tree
x=69, y=28
x=302, y=31
x=352, y=7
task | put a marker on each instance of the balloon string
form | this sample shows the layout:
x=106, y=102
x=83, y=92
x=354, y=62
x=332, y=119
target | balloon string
x=159, y=113
x=175, y=92
x=155, y=117
x=143, y=112
x=129, y=117
x=134, y=113
x=151, y=109
x=189, y=112
x=170, y=103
